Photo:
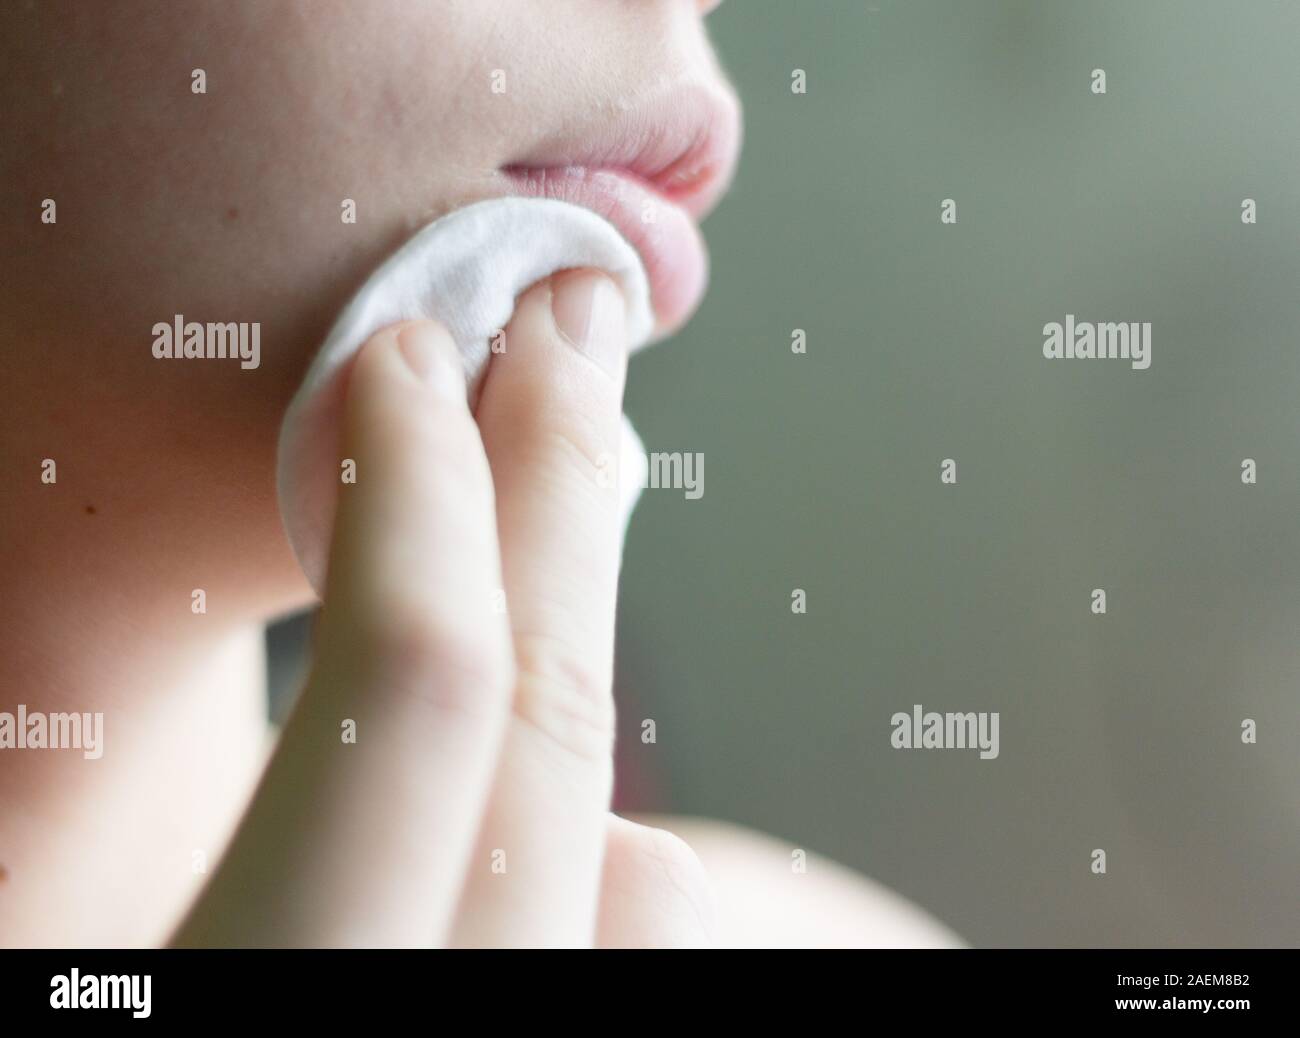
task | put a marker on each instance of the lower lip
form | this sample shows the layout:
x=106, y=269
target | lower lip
x=664, y=233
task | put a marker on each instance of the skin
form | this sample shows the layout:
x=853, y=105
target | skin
x=477, y=731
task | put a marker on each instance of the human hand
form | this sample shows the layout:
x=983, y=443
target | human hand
x=467, y=641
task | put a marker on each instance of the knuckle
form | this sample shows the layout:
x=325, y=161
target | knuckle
x=665, y=864
x=582, y=436
x=416, y=651
x=578, y=444
x=565, y=697
x=679, y=865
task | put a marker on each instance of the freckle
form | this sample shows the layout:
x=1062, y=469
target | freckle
x=4, y=873
x=232, y=214
x=90, y=509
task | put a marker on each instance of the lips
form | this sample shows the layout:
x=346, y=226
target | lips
x=652, y=172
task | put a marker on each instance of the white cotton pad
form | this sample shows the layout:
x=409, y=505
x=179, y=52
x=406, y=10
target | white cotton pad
x=465, y=270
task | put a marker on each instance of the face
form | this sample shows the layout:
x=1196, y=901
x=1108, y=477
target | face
x=229, y=205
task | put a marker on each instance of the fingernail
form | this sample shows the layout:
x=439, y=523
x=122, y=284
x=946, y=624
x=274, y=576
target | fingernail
x=588, y=309
x=433, y=357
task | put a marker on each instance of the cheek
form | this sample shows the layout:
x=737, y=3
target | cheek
x=314, y=147
x=325, y=134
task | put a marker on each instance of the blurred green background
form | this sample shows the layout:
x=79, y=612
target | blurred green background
x=1119, y=732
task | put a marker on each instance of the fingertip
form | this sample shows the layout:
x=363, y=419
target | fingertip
x=431, y=357
x=590, y=315
x=420, y=350
x=579, y=309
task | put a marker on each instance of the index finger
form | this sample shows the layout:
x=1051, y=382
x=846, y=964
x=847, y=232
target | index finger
x=361, y=829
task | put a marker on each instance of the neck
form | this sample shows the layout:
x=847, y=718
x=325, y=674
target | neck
x=98, y=616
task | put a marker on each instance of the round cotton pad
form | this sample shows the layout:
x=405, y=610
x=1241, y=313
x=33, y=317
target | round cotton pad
x=465, y=270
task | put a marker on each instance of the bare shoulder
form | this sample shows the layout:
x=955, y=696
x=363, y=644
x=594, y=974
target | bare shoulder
x=763, y=900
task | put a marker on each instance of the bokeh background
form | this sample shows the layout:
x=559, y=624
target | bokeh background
x=821, y=471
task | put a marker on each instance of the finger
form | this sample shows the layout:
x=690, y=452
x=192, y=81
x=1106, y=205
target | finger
x=362, y=829
x=762, y=902
x=550, y=414
x=654, y=891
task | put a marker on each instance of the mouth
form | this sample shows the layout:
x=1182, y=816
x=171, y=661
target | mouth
x=653, y=172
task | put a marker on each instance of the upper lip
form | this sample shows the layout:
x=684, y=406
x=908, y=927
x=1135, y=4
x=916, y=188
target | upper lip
x=683, y=142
